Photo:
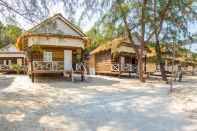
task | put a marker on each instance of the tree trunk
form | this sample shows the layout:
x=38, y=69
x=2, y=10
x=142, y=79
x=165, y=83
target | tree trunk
x=160, y=60
x=140, y=67
x=142, y=44
x=140, y=51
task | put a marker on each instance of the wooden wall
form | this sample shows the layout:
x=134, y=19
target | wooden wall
x=92, y=61
x=11, y=60
x=58, y=53
x=55, y=41
x=103, y=62
x=150, y=67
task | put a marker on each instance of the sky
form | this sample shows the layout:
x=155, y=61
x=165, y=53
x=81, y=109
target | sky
x=59, y=8
x=88, y=23
x=193, y=29
x=54, y=9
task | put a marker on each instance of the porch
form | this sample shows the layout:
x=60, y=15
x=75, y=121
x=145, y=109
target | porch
x=127, y=70
x=124, y=64
x=11, y=64
x=47, y=60
x=124, y=68
x=48, y=67
x=53, y=67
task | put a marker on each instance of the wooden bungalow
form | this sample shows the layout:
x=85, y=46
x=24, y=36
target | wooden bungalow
x=116, y=57
x=53, y=46
x=10, y=57
x=181, y=59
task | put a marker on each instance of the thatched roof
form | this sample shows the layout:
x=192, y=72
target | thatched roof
x=114, y=45
x=180, y=57
x=151, y=53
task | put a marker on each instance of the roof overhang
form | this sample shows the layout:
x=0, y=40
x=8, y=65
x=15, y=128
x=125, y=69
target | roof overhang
x=12, y=55
x=22, y=41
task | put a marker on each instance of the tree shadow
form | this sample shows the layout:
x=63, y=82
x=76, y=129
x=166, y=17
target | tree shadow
x=55, y=108
x=5, y=81
x=63, y=83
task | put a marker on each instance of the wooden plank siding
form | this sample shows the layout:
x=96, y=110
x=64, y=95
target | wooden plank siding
x=103, y=62
x=57, y=52
x=92, y=61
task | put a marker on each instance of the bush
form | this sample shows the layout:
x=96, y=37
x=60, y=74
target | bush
x=17, y=68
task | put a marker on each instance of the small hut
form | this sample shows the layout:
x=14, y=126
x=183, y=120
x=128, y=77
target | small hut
x=115, y=57
x=181, y=59
x=10, y=57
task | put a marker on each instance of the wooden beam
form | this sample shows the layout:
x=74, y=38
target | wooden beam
x=119, y=61
x=32, y=72
x=145, y=63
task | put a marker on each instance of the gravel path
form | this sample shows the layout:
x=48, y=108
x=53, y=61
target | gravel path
x=102, y=104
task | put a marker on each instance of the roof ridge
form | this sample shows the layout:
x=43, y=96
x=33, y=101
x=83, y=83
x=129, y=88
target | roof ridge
x=66, y=21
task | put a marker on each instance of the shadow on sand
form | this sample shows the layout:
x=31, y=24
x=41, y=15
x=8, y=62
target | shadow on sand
x=52, y=107
x=136, y=110
x=5, y=81
x=62, y=82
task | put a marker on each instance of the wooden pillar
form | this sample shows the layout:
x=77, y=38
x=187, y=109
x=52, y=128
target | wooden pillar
x=82, y=69
x=129, y=67
x=32, y=72
x=23, y=65
x=119, y=60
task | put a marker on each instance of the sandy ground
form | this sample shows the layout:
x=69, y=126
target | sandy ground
x=101, y=104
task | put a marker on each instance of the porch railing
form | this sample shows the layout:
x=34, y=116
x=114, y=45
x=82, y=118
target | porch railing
x=115, y=67
x=124, y=68
x=48, y=66
x=4, y=67
x=11, y=68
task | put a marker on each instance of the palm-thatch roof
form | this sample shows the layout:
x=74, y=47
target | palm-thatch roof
x=115, y=46
x=180, y=56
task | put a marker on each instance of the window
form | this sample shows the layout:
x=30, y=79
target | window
x=47, y=56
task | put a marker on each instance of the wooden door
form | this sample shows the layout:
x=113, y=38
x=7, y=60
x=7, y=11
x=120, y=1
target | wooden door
x=122, y=62
x=67, y=60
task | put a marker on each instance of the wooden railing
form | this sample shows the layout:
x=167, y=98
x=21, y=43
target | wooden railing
x=21, y=68
x=48, y=66
x=4, y=67
x=124, y=68
x=115, y=67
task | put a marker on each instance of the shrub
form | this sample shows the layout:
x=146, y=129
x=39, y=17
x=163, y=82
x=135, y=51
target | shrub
x=17, y=68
